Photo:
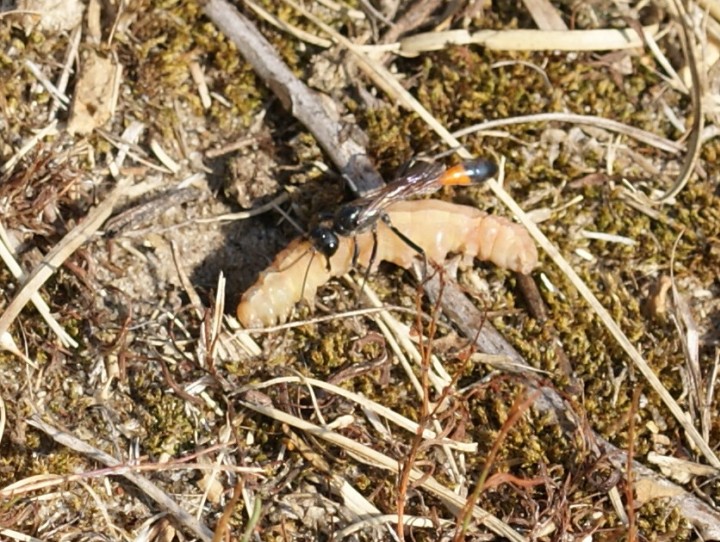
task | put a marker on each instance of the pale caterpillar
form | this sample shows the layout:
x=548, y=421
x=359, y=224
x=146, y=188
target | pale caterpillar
x=437, y=227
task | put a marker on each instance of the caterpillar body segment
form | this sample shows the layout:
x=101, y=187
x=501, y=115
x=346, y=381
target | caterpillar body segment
x=439, y=228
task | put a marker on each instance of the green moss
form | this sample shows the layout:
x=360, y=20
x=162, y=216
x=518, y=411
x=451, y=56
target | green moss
x=171, y=431
x=461, y=86
x=664, y=524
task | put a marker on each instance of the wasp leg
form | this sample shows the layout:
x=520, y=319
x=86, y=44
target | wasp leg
x=409, y=242
x=371, y=261
x=356, y=252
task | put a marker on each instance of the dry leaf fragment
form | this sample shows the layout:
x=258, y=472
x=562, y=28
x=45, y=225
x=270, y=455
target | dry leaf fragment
x=656, y=303
x=212, y=486
x=681, y=470
x=647, y=489
x=93, y=102
x=51, y=15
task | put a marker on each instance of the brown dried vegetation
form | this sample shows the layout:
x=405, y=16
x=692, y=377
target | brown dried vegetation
x=151, y=383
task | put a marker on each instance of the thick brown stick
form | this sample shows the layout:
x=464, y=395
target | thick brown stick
x=305, y=105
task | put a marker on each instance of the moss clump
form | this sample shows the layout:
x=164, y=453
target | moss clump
x=171, y=432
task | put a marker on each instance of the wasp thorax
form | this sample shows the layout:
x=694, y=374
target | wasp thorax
x=346, y=220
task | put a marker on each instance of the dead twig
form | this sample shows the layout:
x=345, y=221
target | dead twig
x=182, y=516
x=389, y=83
x=369, y=456
x=337, y=141
x=702, y=516
x=42, y=307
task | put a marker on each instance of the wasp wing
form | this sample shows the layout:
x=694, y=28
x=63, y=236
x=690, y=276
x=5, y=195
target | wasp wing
x=422, y=178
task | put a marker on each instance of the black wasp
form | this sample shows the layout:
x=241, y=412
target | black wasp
x=362, y=214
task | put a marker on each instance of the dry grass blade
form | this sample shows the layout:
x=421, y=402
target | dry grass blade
x=469, y=319
x=201, y=83
x=524, y=40
x=693, y=509
x=40, y=304
x=612, y=327
x=392, y=416
x=244, y=215
x=584, y=120
x=190, y=290
x=44, y=482
x=62, y=251
x=690, y=337
x=430, y=368
x=164, y=158
x=545, y=15
x=354, y=502
x=75, y=238
x=7, y=343
x=151, y=490
x=70, y=56
x=242, y=336
x=608, y=237
x=712, y=6
x=410, y=521
x=9, y=165
x=371, y=457
x=156, y=372
x=698, y=87
x=379, y=74
x=439, y=377
x=100, y=505
x=15, y=535
x=49, y=86
x=3, y=418
x=300, y=34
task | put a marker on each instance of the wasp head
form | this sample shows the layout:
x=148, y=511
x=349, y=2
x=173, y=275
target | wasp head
x=325, y=240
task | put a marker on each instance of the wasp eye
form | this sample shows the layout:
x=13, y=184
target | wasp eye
x=324, y=240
